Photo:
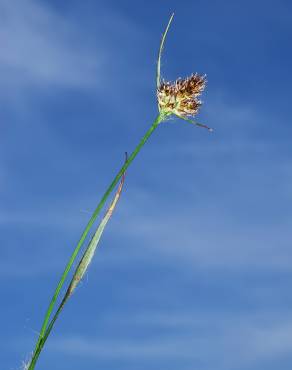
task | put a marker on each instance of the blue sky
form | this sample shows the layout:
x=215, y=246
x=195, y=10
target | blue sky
x=194, y=271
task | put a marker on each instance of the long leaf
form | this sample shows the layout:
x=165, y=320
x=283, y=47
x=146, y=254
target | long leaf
x=80, y=270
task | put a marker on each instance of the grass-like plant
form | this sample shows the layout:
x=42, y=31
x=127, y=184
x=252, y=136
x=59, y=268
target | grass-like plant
x=178, y=98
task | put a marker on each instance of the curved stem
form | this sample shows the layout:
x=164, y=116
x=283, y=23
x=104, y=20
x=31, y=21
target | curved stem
x=42, y=335
x=158, y=78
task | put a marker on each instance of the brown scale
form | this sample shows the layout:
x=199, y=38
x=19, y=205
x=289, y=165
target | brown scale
x=180, y=97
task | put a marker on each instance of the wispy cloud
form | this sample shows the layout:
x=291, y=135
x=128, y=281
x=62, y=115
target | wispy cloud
x=211, y=338
x=40, y=47
x=226, y=340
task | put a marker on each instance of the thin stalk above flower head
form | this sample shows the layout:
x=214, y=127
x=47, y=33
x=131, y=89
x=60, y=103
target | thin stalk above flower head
x=158, y=78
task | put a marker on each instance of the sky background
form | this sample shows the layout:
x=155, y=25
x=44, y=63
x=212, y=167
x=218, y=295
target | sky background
x=194, y=271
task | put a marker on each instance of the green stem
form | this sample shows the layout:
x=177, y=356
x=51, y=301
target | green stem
x=160, y=52
x=194, y=122
x=42, y=336
x=43, y=340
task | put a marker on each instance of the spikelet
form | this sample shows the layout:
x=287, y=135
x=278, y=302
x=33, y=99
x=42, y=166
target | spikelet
x=181, y=97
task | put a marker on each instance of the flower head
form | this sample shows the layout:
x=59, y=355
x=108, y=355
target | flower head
x=181, y=97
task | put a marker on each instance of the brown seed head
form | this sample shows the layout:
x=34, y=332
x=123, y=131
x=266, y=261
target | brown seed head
x=180, y=97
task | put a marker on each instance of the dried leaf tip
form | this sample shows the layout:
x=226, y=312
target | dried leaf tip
x=181, y=97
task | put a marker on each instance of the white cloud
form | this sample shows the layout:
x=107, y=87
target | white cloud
x=227, y=339
x=200, y=237
x=215, y=339
x=82, y=346
x=40, y=47
x=275, y=339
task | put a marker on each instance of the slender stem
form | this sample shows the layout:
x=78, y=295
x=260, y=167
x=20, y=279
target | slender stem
x=160, y=51
x=81, y=268
x=43, y=334
x=47, y=333
x=210, y=129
